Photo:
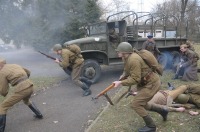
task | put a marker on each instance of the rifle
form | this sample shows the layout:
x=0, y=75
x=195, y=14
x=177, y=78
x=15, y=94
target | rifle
x=68, y=70
x=104, y=92
x=48, y=56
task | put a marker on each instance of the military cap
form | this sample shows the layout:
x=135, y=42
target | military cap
x=150, y=36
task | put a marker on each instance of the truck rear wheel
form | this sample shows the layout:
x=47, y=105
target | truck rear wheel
x=91, y=70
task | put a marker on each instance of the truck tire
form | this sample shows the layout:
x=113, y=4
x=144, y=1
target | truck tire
x=175, y=59
x=91, y=70
x=163, y=60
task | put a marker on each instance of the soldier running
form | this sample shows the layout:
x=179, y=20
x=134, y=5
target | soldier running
x=18, y=77
x=148, y=84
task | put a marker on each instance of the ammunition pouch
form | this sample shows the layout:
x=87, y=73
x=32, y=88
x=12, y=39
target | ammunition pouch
x=145, y=79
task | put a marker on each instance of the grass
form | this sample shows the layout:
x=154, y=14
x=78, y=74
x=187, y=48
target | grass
x=121, y=118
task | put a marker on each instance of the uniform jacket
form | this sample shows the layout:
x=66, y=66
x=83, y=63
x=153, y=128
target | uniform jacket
x=13, y=74
x=70, y=59
x=189, y=65
x=135, y=69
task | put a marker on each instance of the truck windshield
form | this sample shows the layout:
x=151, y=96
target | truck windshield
x=99, y=28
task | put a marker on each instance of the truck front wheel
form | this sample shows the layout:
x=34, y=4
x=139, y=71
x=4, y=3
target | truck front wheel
x=92, y=70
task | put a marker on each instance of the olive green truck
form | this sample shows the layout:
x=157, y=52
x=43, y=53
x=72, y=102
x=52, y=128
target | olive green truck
x=131, y=27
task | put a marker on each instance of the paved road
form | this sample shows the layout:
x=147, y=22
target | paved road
x=64, y=109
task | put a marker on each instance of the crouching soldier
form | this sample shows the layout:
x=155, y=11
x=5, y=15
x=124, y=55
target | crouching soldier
x=76, y=62
x=187, y=68
x=18, y=77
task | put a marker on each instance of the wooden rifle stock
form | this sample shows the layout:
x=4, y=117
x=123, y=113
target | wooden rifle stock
x=104, y=91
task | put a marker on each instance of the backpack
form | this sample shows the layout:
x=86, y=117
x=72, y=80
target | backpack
x=74, y=48
x=150, y=60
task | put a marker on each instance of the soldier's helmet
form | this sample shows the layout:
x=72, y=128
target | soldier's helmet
x=66, y=44
x=124, y=47
x=182, y=98
x=57, y=47
x=2, y=61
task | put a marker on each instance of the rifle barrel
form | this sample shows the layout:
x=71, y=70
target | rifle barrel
x=48, y=56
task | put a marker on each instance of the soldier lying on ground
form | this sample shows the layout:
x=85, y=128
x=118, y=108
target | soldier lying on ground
x=17, y=77
x=184, y=96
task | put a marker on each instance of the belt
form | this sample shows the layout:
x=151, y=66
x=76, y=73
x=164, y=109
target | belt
x=164, y=93
x=148, y=76
x=20, y=80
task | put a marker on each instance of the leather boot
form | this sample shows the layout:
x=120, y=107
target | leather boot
x=160, y=110
x=36, y=111
x=2, y=123
x=86, y=81
x=86, y=89
x=150, y=125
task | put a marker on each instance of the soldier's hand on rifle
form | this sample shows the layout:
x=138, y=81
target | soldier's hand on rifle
x=57, y=60
x=117, y=83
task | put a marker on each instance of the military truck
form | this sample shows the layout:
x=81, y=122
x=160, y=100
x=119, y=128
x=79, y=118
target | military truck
x=131, y=27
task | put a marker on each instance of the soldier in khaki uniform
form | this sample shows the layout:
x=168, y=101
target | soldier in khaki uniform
x=76, y=62
x=165, y=98
x=23, y=88
x=148, y=83
x=184, y=96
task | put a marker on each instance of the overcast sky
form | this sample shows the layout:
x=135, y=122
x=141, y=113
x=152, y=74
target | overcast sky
x=140, y=5
x=143, y=5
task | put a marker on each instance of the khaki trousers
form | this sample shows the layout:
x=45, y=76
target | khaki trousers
x=75, y=75
x=144, y=95
x=15, y=98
